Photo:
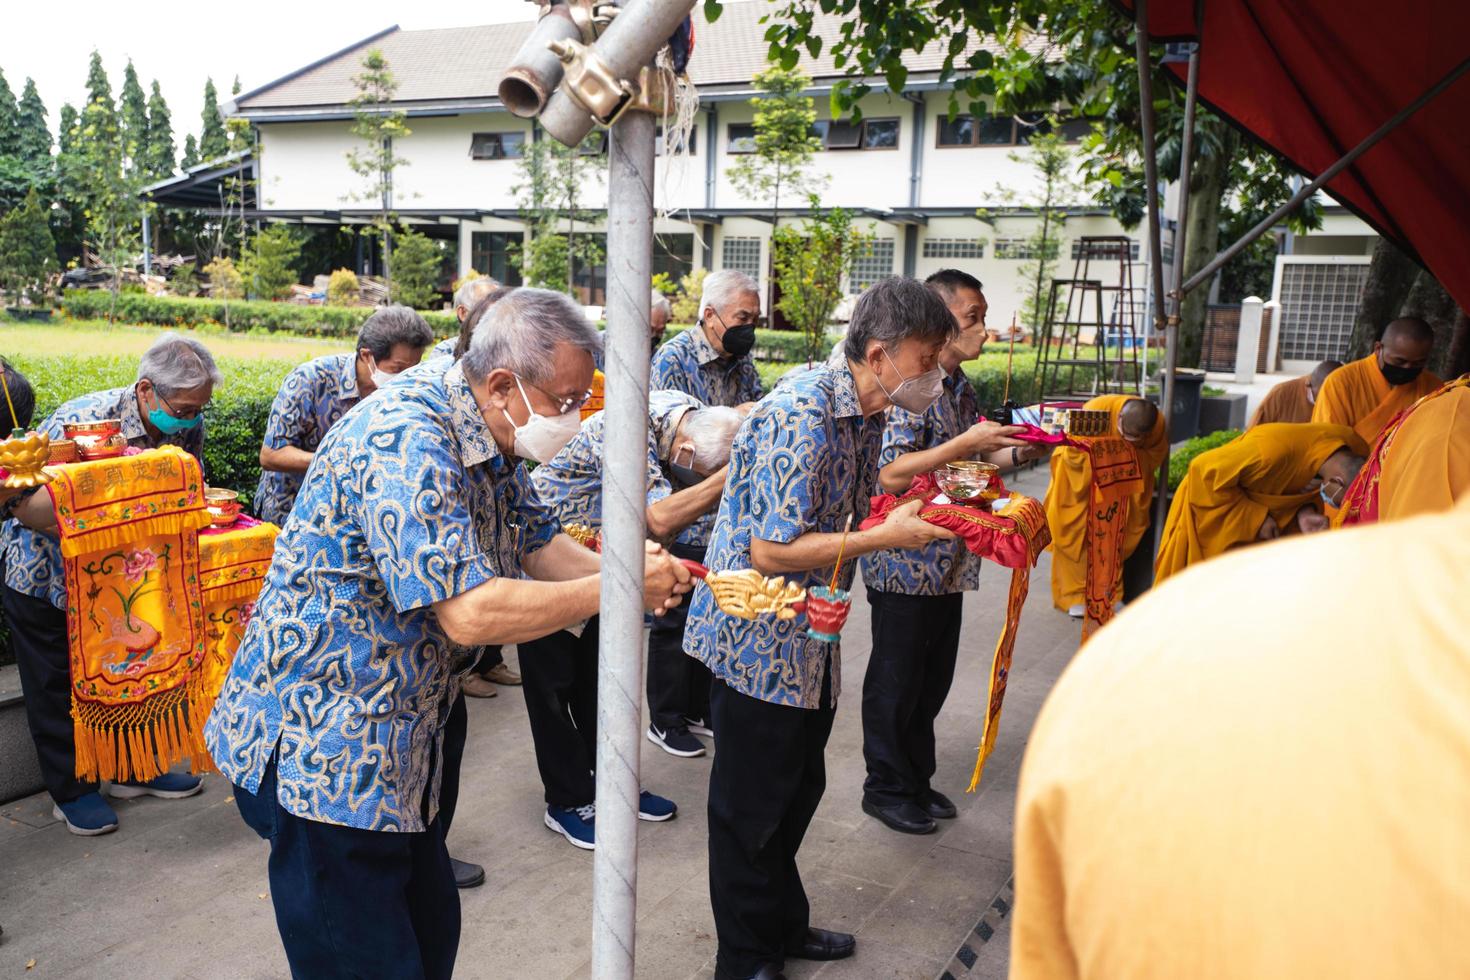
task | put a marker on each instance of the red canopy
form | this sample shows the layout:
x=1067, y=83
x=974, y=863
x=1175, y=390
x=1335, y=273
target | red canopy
x=1311, y=78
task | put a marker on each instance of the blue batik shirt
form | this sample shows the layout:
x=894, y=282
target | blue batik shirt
x=444, y=348
x=940, y=567
x=688, y=363
x=311, y=400
x=344, y=673
x=804, y=460
x=570, y=484
x=32, y=559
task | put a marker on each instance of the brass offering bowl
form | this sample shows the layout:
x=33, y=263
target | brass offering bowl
x=962, y=488
x=223, y=505
x=23, y=457
x=102, y=439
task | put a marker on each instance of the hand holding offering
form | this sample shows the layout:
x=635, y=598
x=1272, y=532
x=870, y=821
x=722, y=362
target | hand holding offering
x=986, y=436
x=906, y=529
x=665, y=579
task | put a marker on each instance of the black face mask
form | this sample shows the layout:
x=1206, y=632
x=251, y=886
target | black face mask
x=738, y=340
x=1396, y=375
x=683, y=476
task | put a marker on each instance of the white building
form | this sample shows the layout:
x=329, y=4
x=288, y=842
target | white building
x=915, y=178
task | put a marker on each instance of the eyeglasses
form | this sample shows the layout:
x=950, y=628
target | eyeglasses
x=741, y=320
x=194, y=414
x=564, y=403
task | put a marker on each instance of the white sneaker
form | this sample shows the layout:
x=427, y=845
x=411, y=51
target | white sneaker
x=1077, y=611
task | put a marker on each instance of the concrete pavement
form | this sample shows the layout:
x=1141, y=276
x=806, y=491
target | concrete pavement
x=181, y=891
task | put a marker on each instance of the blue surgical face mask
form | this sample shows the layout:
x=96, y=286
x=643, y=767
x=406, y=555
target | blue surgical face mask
x=171, y=425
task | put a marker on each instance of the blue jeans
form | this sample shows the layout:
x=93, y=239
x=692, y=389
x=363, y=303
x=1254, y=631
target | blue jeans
x=356, y=903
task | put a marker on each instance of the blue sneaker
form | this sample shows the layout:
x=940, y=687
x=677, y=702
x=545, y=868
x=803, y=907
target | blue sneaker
x=86, y=816
x=575, y=823
x=655, y=808
x=169, y=786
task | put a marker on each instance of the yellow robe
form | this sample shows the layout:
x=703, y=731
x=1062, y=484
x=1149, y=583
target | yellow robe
x=1357, y=395
x=1260, y=772
x=1228, y=492
x=1067, y=500
x=1428, y=466
x=1287, y=402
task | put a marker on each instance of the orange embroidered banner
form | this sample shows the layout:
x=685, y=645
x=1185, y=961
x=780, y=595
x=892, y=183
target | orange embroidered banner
x=1115, y=478
x=1014, y=540
x=129, y=547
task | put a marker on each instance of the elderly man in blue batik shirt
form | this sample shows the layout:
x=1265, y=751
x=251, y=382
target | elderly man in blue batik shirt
x=917, y=597
x=417, y=535
x=711, y=360
x=805, y=459
x=466, y=298
x=318, y=393
x=165, y=406
x=560, y=669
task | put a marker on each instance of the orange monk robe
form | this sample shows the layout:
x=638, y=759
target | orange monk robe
x=1228, y=492
x=1069, y=494
x=1287, y=402
x=1427, y=467
x=1357, y=395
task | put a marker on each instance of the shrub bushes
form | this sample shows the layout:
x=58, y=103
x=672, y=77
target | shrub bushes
x=238, y=316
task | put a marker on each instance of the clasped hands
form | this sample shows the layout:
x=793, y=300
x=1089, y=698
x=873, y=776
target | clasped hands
x=665, y=579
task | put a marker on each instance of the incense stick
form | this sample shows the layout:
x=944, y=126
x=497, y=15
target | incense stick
x=14, y=419
x=832, y=589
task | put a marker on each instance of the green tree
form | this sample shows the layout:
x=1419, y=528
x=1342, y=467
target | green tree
x=190, y=156
x=214, y=142
x=542, y=259
x=784, y=143
x=159, y=156
x=1053, y=187
x=810, y=266
x=417, y=261
x=99, y=91
x=377, y=124
x=27, y=251
x=237, y=127
x=33, y=139
x=133, y=120
x=99, y=180
x=268, y=267
x=9, y=142
x=67, y=221
x=553, y=179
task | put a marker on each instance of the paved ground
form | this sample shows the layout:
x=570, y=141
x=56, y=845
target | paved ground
x=180, y=890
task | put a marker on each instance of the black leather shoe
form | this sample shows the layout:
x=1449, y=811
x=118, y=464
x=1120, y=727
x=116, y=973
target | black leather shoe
x=937, y=805
x=467, y=875
x=768, y=972
x=820, y=944
x=905, y=817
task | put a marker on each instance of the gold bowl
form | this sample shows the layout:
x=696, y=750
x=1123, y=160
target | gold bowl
x=62, y=451
x=223, y=505
x=102, y=439
x=23, y=457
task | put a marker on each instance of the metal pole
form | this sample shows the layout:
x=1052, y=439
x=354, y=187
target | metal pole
x=1308, y=190
x=1171, y=338
x=624, y=497
x=147, y=244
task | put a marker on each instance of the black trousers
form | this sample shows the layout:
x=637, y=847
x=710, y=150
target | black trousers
x=559, y=680
x=38, y=636
x=915, y=641
x=767, y=779
x=354, y=903
x=456, y=731
x=678, y=684
x=490, y=658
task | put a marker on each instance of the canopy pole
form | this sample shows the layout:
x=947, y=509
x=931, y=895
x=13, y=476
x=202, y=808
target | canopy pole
x=1176, y=298
x=624, y=499
x=1307, y=190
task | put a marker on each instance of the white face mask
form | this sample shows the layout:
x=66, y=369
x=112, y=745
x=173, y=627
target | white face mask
x=380, y=377
x=543, y=436
x=915, y=394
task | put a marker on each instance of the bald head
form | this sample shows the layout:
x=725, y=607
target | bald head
x=1338, y=472
x=1319, y=375
x=1136, y=419
x=1404, y=349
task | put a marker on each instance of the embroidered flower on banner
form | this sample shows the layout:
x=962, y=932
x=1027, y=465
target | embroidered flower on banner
x=138, y=563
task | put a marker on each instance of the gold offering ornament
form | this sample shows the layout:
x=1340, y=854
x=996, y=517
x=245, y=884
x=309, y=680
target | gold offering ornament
x=747, y=594
x=23, y=455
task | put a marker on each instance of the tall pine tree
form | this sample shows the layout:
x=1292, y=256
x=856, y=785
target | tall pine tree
x=67, y=221
x=133, y=121
x=66, y=128
x=7, y=118
x=191, y=152
x=213, y=141
x=99, y=92
x=160, y=154
x=238, y=128
x=33, y=138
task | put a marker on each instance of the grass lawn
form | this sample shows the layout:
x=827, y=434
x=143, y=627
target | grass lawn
x=97, y=337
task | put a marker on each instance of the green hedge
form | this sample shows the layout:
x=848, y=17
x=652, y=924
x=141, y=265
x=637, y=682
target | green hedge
x=1180, y=459
x=239, y=316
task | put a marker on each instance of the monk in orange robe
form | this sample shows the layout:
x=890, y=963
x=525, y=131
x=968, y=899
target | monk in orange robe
x=1368, y=393
x=1261, y=485
x=1292, y=401
x=1068, y=496
x=1421, y=463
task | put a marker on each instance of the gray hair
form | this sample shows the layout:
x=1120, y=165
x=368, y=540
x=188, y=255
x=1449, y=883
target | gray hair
x=521, y=331
x=177, y=363
x=390, y=326
x=661, y=302
x=724, y=287
x=712, y=430
x=894, y=309
x=472, y=291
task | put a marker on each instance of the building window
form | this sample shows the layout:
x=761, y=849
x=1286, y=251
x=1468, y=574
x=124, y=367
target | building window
x=867, y=134
x=1319, y=303
x=490, y=253
x=673, y=255
x=589, y=282
x=880, y=134
x=497, y=146
x=1021, y=249
x=1105, y=250
x=685, y=147
x=742, y=254
x=1075, y=130
x=874, y=264
x=1004, y=130
x=740, y=138
x=954, y=248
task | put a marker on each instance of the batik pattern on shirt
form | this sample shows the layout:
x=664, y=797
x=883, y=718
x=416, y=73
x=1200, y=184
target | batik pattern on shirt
x=689, y=364
x=33, y=560
x=311, y=400
x=570, y=485
x=444, y=348
x=803, y=461
x=940, y=567
x=345, y=673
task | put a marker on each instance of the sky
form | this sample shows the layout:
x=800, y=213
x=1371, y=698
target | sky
x=180, y=46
